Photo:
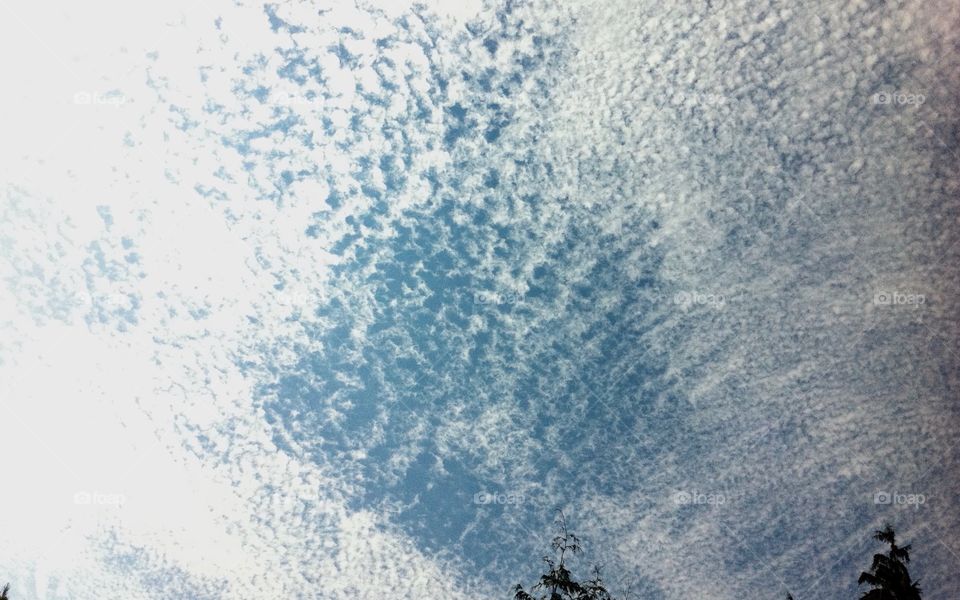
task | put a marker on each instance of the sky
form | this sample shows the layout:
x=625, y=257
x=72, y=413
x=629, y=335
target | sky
x=346, y=299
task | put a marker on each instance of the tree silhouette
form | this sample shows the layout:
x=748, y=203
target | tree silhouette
x=888, y=574
x=3, y=592
x=558, y=582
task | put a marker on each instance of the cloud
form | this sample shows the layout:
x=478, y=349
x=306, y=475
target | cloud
x=326, y=277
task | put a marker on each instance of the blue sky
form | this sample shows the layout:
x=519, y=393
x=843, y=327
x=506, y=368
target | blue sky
x=345, y=301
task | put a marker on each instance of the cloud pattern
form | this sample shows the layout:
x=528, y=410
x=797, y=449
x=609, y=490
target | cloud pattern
x=395, y=282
